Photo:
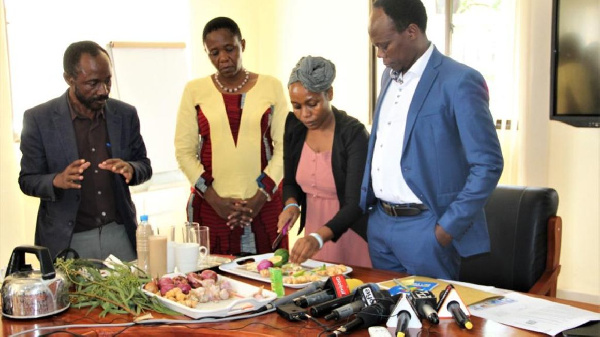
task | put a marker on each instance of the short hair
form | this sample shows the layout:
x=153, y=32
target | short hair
x=404, y=12
x=219, y=23
x=73, y=55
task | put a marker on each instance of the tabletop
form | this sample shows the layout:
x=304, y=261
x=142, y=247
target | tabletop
x=270, y=324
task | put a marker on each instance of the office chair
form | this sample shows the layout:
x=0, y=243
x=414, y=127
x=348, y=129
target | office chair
x=525, y=236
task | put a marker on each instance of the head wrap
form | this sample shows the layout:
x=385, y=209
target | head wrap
x=315, y=73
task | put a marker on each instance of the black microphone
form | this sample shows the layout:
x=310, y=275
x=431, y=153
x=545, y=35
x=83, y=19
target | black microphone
x=364, y=296
x=459, y=316
x=345, y=310
x=372, y=315
x=425, y=302
x=335, y=287
x=402, y=325
x=324, y=308
x=311, y=288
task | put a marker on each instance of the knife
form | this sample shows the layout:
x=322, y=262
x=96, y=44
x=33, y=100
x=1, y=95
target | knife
x=283, y=233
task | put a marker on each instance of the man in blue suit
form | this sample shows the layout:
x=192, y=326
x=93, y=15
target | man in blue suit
x=434, y=155
x=81, y=151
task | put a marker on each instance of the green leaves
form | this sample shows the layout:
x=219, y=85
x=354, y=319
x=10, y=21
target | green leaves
x=116, y=291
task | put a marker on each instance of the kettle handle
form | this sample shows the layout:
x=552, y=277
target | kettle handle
x=17, y=261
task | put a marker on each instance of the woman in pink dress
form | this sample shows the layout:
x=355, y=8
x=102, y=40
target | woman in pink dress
x=324, y=157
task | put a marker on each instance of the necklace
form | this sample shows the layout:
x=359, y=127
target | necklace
x=230, y=90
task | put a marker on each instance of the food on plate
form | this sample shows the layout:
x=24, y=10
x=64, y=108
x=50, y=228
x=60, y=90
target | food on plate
x=263, y=267
x=330, y=270
x=259, y=294
x=304, y=278
x=192, y=289
x=276, y=260
x=284, y=253
x=295, y=273
x=209, y=274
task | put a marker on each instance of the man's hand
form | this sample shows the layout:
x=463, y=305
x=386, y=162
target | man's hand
x=118, y=166
x=72, y=176
x=442, y=236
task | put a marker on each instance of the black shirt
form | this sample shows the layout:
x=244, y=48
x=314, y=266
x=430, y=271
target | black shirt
x=97, y=205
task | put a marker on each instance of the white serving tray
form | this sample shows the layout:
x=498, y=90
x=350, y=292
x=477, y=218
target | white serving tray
x=238, y=269
x=213, y=261
x=244, y=301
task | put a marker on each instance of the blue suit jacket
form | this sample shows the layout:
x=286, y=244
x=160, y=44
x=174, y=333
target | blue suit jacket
x=451, y=155
x=48, y=145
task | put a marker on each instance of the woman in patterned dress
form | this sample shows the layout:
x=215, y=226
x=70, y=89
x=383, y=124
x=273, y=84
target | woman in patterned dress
x=229, y=144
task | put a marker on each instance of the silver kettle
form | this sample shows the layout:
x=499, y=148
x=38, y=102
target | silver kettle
x=28, y=293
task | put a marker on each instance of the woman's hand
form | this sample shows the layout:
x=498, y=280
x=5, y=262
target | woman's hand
x=230, y=209
x=307, y=246
x=304, y=249
x=290, y=215
x=255, y=204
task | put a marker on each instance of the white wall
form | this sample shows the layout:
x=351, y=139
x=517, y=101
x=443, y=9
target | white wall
x=12, y=218
x=567, y=159
x=278, y=33
x=281, y=32
x=39, y=32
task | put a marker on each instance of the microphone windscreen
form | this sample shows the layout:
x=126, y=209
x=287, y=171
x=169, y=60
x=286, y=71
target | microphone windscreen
x=353, y=283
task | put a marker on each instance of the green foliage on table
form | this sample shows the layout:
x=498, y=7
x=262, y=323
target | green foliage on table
x=117, y=290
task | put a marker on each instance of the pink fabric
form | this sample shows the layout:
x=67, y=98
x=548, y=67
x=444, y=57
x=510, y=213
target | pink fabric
x=315, y=176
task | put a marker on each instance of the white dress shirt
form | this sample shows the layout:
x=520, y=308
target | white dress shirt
x=388, y=183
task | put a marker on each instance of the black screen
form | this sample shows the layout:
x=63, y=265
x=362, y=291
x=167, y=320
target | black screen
x=575, y=69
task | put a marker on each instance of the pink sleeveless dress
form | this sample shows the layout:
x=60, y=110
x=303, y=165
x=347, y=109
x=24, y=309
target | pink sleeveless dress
x=315, y=177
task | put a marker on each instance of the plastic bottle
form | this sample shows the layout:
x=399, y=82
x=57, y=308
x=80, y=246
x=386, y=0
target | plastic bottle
x=144, y=230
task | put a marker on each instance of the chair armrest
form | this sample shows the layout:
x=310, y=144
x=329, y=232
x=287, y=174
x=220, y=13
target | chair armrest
x=554, y=242
x=547, y=283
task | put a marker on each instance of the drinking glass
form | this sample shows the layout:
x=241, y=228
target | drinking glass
x=201, y=236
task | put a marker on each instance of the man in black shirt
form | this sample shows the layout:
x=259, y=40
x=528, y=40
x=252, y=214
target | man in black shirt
x=80, y=153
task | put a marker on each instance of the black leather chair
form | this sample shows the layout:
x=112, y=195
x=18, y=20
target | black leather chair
x=525, y=236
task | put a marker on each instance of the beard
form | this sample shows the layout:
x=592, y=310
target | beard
x=93, y=103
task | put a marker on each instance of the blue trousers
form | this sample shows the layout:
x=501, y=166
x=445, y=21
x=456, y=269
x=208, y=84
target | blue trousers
x=408, y=244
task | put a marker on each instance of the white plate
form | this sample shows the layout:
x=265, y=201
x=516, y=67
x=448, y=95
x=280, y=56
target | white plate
x=233, y=306
x=237, y=269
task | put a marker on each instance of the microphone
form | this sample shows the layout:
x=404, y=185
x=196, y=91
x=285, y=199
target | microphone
x=369, y=316
x=323, y=308
x=311, y=288
x=335, y=287
x=403, y=320
x=345, y=310
x=459, y=316
x=425, y=302
x=364, y=296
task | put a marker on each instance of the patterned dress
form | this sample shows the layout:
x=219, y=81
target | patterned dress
x=238, y=149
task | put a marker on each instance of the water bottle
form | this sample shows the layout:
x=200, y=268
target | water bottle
x=144, y=230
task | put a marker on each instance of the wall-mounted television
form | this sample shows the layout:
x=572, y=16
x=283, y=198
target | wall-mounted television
x=575, y=63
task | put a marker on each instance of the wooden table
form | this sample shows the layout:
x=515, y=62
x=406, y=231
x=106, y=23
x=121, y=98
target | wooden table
x=266, y=325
